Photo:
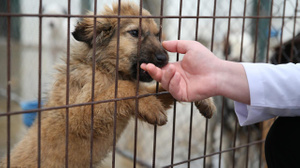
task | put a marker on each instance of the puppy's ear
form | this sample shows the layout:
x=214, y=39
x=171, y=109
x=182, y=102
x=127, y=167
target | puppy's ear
x=81, y=32
x=84, y=32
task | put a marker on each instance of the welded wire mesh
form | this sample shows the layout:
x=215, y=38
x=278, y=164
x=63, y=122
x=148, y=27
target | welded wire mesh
x=233, y=29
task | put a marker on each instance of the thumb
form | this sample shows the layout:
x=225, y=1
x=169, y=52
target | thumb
x=180, y=46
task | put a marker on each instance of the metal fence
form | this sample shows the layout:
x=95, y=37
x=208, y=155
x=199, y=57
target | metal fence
x=233, y=29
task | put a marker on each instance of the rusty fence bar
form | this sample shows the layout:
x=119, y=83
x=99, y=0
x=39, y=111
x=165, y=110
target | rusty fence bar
x=294, y=33
x=67, y=86
x=192, y=109
x=8, y=104
x=116, y=87
x=155, y=17
x=269, y=33
x=93, y=84
x=39, y=116
x=216, y=153
x=157, y=85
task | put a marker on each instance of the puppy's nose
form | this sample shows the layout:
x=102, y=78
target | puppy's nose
x=161, y=58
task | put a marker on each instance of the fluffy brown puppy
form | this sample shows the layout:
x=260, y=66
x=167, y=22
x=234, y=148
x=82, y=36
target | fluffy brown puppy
x=53, y=123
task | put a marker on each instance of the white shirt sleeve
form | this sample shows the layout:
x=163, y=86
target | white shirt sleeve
x=274, y=91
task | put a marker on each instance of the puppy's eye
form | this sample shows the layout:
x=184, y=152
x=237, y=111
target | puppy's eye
x=134, y=33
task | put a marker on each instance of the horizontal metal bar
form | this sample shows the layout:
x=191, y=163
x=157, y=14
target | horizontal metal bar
x=82, y=104
x=217, y=153
x=154, y=17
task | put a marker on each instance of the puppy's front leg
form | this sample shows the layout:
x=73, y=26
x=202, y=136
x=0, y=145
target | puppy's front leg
x=150, y=108
x=166, y=98
x=206, y=107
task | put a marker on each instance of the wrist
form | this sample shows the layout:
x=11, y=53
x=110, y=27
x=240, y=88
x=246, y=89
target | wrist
x=232, y=81
x=220, y=77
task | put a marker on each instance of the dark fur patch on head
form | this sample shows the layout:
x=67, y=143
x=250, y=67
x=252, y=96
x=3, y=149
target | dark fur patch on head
x=84, y=31
x=80, y=34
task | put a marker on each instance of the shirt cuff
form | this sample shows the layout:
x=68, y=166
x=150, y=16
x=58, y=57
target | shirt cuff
x=256, y=83
x=248, y=115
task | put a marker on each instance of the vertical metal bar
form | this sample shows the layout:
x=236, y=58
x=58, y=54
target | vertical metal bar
x=67, y=87
x=267, y=60
x=157, y=84
x=281, y=35
x=93, y=83
x=261, y=154
x=154, y=146
x=212, y=49
x=256, y=31
x=241, y=58
x=192, y=110
x=116, y=87
x=173, y=134
x=174, y=110
x=294, y=28
x=269, y=32
x=228, y=30
x=8, y=82
x=213, y=26
x=190, y=136
x=243, y=31
x=223, y=99
x=247, y=148
x=205, y=142
x=221, y=132
x=137, y=84
x=40, y=82
x=197, y=20
x=254, y=60
x=161, y=19
x=234, y=142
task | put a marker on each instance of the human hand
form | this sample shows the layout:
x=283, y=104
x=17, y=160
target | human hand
x=200, y=74
x=193, y=77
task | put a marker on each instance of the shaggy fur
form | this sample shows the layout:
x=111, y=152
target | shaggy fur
x=150, y=108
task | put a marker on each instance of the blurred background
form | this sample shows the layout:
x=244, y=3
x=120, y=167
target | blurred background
x=233, y=29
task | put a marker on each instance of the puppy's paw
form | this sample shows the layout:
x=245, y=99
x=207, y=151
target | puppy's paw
x=152, y=111
x=206, y=107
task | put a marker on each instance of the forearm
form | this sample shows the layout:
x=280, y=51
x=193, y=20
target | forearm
x=232, y=81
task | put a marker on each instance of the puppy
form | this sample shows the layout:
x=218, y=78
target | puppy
x=101, y=47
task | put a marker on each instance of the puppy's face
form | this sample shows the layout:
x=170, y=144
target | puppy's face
x=142, y=46
x=133, y=43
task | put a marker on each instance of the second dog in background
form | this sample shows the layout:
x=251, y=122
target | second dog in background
x=55, y=30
